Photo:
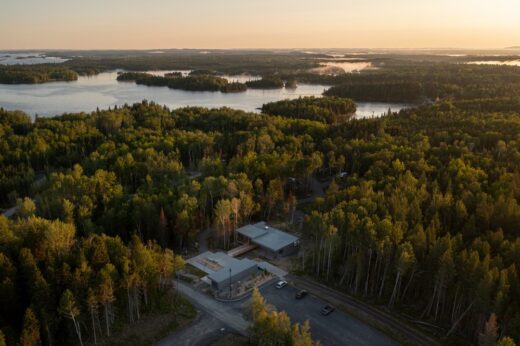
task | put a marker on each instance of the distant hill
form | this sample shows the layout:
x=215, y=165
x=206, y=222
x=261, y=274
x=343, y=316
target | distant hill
x=513, y=47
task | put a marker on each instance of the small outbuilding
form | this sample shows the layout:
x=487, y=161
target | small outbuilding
x=273, y=242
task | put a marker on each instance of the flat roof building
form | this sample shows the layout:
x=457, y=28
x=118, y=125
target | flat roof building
x=272, y=241
x=223, y=269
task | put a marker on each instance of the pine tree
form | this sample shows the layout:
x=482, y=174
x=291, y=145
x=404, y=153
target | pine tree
x=106, y=294
x=93, y=305
x=31, y=329
x=69, y=309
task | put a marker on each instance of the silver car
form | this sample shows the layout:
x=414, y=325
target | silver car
x=281, y=284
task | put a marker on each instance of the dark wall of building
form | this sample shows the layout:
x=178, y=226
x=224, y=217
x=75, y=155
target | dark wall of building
x=286, y=251
x=290, y=250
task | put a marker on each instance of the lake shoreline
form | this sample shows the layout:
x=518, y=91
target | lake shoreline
x=102, y=91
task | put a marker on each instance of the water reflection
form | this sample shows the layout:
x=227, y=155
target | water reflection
x=496, y=62
x=103, y=91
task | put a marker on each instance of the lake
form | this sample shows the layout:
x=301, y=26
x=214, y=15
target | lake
x=103, y=91
x=495, y=62
x=28, y=59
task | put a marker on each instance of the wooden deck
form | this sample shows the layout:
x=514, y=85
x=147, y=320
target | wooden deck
x=240, y=250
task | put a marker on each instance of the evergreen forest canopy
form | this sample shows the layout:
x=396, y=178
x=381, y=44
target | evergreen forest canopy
x=267, y=82
x=193, y=82
x=400, y=81
x=35, y=74
x=427, y=220
x=329, y=110
x=421, y=216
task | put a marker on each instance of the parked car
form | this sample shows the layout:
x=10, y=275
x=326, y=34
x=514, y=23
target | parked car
x=301, y=294
x=281, y=284
x=327, y=310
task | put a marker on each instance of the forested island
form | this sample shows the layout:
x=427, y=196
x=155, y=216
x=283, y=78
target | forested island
x=34, y=74
x=424, y=219
x=193, y=82
x=329, y=110
x=200, y=81
x=267, y=82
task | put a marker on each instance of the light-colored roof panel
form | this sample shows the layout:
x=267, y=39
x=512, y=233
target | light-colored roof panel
x=214, y=262
x=253, y=231
x=236, y=266
x=276, y=240
x=267, y=236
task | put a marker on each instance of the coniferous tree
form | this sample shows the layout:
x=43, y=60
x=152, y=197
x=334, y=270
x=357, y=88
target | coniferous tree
x=31, y=329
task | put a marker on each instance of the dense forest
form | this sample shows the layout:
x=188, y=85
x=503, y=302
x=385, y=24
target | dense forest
x=425, y=222
x=329, y=110
x=421, y=214
x=57, y=287
x=231, y=62
x=267, y=82
x=192, y=82
x=427, y=219
x=408, y=81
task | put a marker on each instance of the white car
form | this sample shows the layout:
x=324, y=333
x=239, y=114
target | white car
x=281, y=284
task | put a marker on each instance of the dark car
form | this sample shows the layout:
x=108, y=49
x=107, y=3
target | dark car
x=327, y=310
x=301, y=294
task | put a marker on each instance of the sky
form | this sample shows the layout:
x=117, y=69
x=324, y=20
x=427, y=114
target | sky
x=155, y=24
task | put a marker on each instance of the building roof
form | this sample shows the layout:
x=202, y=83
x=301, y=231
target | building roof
x=236, y=266
x=217, y=265
x=253, y=231
x=267, y=237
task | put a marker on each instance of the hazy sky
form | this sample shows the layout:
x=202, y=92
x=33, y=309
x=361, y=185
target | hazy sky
x=104, y=24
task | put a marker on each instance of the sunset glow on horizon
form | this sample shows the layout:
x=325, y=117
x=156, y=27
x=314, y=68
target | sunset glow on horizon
x=155, y=24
